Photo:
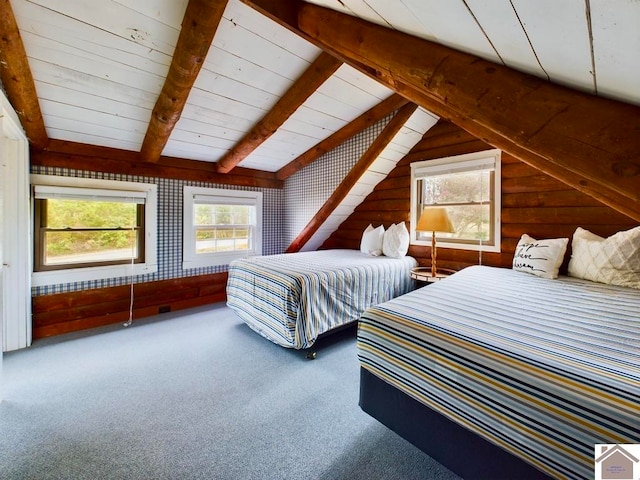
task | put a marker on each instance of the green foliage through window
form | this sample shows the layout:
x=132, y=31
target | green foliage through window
x=467, y=197
x=222, y=228
x=87, y=231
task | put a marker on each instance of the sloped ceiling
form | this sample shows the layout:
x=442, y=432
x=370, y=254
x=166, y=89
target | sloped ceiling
x=99, y=69
x=584, y=44
x=103, y=75
x=589, y=142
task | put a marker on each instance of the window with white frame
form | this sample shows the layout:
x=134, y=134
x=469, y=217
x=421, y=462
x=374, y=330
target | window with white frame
x=468, y=186
x=91, y=229
x=220, y=226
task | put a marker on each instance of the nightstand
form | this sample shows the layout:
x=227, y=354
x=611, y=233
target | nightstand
x=423, y=274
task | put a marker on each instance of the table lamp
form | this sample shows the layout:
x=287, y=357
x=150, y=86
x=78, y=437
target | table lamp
x=434, y=219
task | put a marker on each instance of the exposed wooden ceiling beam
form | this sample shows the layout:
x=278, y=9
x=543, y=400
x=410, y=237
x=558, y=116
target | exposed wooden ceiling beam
x=365, y=120
x=590, y=143
x=372, y=153
x=82, y=156
x=199, y=25
x=315, y=75
x=17, y=79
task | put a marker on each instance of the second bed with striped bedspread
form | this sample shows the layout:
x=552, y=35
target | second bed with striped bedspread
x=293, y=298
x=544, y=368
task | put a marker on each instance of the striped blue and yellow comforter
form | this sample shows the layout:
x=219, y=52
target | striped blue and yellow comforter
x=294, y=297
x=543, y=368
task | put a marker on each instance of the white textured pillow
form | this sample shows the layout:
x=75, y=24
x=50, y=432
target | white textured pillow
x=614, y=260
x=371, y=242
x=396, y=241
x=540, y=257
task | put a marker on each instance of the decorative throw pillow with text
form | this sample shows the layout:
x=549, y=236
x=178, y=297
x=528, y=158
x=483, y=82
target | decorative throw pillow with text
x=540, y=257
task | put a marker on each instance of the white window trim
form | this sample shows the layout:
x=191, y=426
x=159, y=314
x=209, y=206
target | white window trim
x=467, y=162
x=189, y=257
x=72, y=275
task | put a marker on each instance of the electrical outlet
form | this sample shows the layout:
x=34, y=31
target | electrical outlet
x=164, y=309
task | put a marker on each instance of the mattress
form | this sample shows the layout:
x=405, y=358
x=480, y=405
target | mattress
x=543, y=368
x=293, y=298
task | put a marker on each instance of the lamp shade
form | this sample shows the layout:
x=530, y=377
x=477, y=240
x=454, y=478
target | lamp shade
x=434, y=219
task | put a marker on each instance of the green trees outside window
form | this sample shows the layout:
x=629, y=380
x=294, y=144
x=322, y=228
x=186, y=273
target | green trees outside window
x=87, y=232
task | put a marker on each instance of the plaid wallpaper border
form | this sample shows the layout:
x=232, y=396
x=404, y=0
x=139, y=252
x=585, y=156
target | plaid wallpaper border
x=170, y=203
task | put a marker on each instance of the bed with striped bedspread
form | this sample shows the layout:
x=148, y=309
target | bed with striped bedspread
x=542, y=368
x=292, y=298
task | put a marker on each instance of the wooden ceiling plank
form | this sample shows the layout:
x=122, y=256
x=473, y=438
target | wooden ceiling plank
x=590, y=143
x=369, y=85
x=17, y=79
x=372, y=153
x=615, y=50
x=322, y=68
x=557, y=23
x=201, y=20
x=365, y=120
x=499, y=22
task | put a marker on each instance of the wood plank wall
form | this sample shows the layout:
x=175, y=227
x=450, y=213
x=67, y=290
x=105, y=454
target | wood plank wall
x=68, y=312
x=532, y=203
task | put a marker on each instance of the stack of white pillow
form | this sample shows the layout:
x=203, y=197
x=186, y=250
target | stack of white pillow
x=394, y=242
x=614, y=260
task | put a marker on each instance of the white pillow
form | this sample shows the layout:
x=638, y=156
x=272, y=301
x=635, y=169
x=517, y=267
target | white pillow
x=540, y=257
x=614, y=260
x=371, y=242
x=396, y=241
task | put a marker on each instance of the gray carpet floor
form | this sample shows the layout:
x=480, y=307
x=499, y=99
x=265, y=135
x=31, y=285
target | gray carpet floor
x=193, y=395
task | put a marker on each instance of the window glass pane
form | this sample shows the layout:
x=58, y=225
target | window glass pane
x=86, y=237
x=206, y=214
x=457, y=188
x=90, y=214
x=471, y=222
x=87, y=247
x=217, y=240
x=227, y=227
x=468, y=199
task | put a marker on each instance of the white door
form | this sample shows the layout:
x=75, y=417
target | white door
x=2, y=267
x=15, y=241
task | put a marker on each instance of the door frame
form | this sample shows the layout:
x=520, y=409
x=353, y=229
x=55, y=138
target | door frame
x=15, y=232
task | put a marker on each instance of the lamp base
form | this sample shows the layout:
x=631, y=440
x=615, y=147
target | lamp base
x=434, y=255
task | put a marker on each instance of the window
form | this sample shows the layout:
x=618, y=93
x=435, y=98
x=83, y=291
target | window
x=469, y=187
x=87, y=229
x=220, y=226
